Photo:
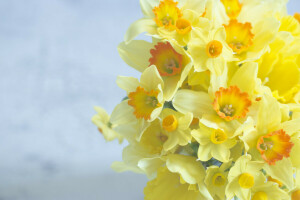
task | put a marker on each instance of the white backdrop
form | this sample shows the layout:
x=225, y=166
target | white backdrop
x=58, y=59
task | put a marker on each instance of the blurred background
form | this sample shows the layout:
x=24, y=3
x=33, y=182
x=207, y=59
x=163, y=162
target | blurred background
x=58, y=59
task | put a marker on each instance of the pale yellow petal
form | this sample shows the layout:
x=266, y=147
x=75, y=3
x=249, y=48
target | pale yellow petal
x=245, y=77
x=197, y=103
x=150, y=79
x=122, y=114
x=129, y=84
x=140, y=26
x=136, y=53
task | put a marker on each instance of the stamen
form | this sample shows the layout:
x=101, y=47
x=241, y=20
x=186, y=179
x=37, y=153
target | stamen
x=228, y=110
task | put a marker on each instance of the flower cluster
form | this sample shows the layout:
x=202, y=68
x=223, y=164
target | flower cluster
x=216, y=111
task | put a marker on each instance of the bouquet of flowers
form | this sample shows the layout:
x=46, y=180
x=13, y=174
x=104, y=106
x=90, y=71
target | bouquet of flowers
x=216, y=111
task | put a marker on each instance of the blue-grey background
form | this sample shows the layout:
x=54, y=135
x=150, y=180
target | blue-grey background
x=58, y=59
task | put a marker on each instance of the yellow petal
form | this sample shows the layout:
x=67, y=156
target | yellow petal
x=150, y=79
x=245, y=77
x=136, y=53
x=129, y=84
x=138, y=27
x=197, y=103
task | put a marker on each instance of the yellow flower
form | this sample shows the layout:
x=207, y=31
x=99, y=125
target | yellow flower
x=209, y=50
x=242, y=177
x=213, y=143
x=184, y=26
x=267, y=191
x=171, y=61
x=167, y=18
x=273, y=141
x=216, y=180
x=143, y=156
x=102, y=121
x=176, y=126
x=182, y=178
x=280, y=63
x=145, y=101
x=222, y=108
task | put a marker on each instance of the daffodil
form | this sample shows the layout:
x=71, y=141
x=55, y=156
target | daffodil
x=176, y=126
x=252, y=27
x=213, y=143
x=143, y=156
x=209, y=50
x=182, y=178
x=216, y=180
x=145, y=101
x=227, y=103
x=102, y=121
x=280, y=63
x=171, y=61
x=242, y=177
x=168, y=17
x=267, y=191
x=272, y=141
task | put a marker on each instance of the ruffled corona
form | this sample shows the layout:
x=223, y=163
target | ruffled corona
x=166, y=14
x=297, y=16
x=231, y=103
x=232, y=7
x=239, y=36
x=143, y=102
x=166, y=59
x=274, y=146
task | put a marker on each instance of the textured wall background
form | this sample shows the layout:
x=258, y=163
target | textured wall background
x=58, y=59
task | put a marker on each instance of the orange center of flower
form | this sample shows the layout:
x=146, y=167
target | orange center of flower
x=170, y=123
x=239, y=36
x=274, y=146
x=166, y=14
x=297, y=16
x=218, y=179
x=231, y=103
x=143, y=102
x=260, y=196
x=166, y=59
x=296, y=195
x=183, y=26
x=232, y=7
x=246, y=180
x=214, y=49
x=218, y=136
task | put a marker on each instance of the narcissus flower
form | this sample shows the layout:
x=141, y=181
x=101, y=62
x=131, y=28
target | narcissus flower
x=176, y=126
x=209, y=50
x=182, y=178
x=171, y=61
x=213, y=143
x=223, y=105
x=274, y=146
x=267, y=191
x=242, y=177
x=105, y=127
x=167, y=16
x=145, y=100
x=216, y=180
